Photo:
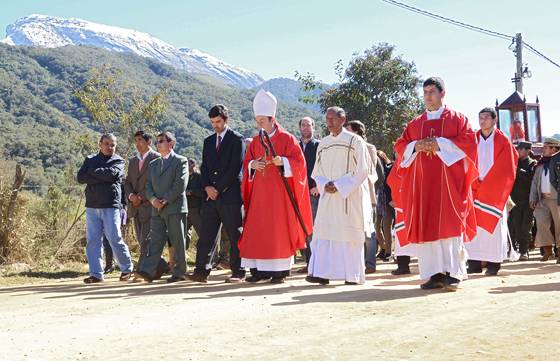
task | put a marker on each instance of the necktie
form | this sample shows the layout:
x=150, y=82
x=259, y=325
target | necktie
x=219, y=144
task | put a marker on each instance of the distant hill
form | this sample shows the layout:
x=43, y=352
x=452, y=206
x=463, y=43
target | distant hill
x=290, y=90
x=39, y=116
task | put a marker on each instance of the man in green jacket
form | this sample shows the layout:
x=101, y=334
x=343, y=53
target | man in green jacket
x=165, y=190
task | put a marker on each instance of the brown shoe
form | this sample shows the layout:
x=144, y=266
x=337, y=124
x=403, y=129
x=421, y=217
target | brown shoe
x=142, y=276
x=370, y=270
x=548, y=254
x=198, y=277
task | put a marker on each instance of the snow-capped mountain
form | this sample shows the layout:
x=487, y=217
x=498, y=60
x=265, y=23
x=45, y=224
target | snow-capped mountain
x=52, y=32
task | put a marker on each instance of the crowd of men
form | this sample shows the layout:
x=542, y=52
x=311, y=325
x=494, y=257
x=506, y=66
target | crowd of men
x=457, y=200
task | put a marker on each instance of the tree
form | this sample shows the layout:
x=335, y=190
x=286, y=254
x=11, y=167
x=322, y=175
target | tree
x=7, y=225
x=378, y=88
x=117, y=107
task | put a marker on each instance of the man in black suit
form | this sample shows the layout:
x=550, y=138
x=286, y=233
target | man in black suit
x=222, y=159
x=309, y=146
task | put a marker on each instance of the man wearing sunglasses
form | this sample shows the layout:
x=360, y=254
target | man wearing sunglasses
x=165, y=190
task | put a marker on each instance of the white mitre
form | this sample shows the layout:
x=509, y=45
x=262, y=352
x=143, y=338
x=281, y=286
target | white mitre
x=264, y=104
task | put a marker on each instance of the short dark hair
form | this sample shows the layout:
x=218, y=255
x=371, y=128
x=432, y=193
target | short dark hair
x=107, y=136
x=168, y=136
x=147, y=137
x=435, y=81
x=358, y=127
x=219, y=110
x=490, y=111
x=307, y=118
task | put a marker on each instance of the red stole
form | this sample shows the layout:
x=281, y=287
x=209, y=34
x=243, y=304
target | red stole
x=435, y=199
x=491, y=194
x=271, y=229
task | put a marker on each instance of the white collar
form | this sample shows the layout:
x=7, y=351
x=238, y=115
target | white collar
x=223, y=133
x=435, y=114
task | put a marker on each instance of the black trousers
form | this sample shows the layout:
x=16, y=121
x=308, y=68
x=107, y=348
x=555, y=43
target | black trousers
x=270, y=274
x=520, y=223
x=212, y=214
x=476, y=266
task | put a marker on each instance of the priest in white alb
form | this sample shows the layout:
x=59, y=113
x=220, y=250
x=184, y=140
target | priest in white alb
x=497, y=166
x=344, y=214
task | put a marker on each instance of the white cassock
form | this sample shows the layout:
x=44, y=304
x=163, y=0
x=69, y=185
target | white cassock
x=486, y=246
x=444, y=255
x=343, y=218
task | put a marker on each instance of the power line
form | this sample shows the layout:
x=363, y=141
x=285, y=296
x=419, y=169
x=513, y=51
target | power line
x=469, y=27
x=450, y=21
x=535, y=51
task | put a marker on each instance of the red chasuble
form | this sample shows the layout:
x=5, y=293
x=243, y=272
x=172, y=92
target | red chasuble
x=436, y=200
x=491, y=194
x=271, y=229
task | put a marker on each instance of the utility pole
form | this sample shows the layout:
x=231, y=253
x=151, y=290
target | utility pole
x=519, y=64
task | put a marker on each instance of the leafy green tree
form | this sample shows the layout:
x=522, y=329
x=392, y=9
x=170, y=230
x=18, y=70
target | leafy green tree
x=378, y=88
x=120, y=108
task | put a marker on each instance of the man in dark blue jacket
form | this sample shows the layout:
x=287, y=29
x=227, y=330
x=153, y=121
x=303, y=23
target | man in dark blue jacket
x=103, y=174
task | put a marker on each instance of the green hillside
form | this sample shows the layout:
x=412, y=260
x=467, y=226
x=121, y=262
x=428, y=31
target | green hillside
x=41, y=120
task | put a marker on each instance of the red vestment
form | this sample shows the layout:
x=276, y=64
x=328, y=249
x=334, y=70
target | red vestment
x=271, y=229
x=436, y=199
x=491, y=194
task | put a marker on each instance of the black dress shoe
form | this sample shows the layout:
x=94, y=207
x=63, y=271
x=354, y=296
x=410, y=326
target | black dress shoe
x=255, y=279
x=92, y=279
x=174, y=279
x=198, y=277
x=109, y=269
x=277, y=280
x=350, y=283
x=451, y=283
x=381, y=254
x=491, y=272
x=474, y=267
x=400, y=271
x=435, y=282
x=319, y=280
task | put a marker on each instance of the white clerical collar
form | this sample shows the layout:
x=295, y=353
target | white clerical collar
x=435, y=114
x=223, y=133
x=167, y=156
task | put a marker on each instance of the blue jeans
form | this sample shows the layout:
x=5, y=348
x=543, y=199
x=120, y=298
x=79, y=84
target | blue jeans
x=371, y=247
x=100, y=221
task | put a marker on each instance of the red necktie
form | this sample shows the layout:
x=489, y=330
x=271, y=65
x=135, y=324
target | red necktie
x=219, y=143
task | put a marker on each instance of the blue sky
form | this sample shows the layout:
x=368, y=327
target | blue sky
x=275, y=38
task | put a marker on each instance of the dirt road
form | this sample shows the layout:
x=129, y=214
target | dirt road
x=512, y=317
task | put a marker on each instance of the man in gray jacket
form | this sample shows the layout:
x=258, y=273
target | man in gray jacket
x=139, y=207
x=165, y=190
x=544, y=200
